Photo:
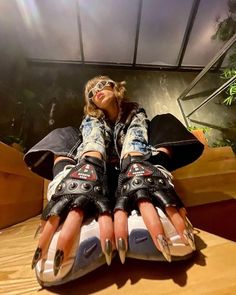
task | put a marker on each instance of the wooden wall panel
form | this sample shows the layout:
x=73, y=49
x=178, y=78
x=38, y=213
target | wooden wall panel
x=209, y=179
x=21, y=191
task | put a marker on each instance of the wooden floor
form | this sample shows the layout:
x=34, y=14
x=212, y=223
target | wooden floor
x=211, y=271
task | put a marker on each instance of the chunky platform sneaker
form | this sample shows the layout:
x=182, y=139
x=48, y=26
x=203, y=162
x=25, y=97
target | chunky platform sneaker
x=85, y=257
x=141, y=245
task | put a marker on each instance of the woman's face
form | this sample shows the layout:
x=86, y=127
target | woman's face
x=102, y=94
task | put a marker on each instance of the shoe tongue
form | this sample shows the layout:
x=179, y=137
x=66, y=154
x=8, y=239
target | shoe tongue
x=132, y=159
x=138, y=170
x=86, y=172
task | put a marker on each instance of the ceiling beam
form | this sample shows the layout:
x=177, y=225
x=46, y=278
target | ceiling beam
x=187, y=32
x=140, y=5
x=80, y=31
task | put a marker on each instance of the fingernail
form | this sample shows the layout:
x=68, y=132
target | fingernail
x=188, y=223
x=36, y=258
x=188, y=235
x=184, y=210
x=58, y=259
x=38, y=230
x=163, y=244
x=121, y=249
x=108, y=251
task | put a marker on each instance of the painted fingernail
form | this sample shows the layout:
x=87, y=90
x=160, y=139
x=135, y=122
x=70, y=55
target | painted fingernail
x=36, y=258
x=183, y=210
x=188, y=223
x=58, y=259
x=121, y=249
x=163, y=244
x=188, y=235
x=38, y=231
x=108, y=251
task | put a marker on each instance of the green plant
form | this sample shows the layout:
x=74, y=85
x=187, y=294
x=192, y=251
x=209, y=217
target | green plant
x=225, y=29
x=228, y=73
x=231, y=91
x=10, y=139
x=232, y=58
x=225, y=142
x=203, y=129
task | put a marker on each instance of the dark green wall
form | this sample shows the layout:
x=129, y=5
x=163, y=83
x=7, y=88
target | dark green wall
x=28, y=92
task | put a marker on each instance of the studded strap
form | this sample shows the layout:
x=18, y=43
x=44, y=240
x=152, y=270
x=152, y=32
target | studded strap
x=85, y=187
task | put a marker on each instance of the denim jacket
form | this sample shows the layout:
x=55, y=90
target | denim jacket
x=126, y=136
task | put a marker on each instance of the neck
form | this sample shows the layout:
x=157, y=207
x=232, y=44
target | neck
x=112, y=112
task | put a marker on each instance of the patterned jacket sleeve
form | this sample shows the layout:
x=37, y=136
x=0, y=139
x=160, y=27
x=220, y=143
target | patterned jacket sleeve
x=136, y=138
x=93, y=135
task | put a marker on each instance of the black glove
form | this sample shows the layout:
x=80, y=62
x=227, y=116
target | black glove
x=140, y=180
x=85, y=187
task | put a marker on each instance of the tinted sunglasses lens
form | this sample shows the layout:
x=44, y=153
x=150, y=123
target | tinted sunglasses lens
x=101, y=85
x=90, y=94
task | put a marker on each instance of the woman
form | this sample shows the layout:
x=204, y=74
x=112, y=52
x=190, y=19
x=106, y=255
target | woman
x=120, y=153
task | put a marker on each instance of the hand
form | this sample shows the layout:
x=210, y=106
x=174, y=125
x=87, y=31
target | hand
x=81, y=194
x=144, y=187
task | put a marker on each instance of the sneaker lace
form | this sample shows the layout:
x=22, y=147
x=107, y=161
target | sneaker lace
x=166, y=173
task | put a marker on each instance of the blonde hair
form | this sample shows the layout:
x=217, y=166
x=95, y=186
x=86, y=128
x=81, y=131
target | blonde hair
x=90, y=108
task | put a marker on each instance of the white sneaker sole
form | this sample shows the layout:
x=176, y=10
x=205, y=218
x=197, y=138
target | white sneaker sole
x=85, y=257
x=87, y=254
x=141, y=245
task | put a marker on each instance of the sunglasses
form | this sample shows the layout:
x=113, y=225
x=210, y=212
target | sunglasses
x=98, y=87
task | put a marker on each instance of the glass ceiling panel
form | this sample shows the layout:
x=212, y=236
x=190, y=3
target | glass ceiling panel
x=162, y=29
x=11, y=28
x=201, y=47
x=51, y=28
x=108, y=30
